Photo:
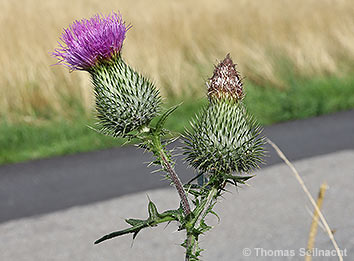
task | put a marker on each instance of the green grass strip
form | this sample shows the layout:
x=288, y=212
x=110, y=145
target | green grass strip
x=304, y=98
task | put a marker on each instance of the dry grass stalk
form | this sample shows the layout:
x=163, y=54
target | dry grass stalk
x=308, y=194
x=314, y=224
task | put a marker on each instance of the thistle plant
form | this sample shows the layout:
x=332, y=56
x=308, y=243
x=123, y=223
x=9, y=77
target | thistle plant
x=223, y=144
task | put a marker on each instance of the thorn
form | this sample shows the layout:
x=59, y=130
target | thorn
x=132, y=244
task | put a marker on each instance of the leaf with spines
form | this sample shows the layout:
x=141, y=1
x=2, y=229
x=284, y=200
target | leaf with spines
x=154, y=219
x=161, y=122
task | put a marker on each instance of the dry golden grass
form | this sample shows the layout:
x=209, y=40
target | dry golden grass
x=174, y=42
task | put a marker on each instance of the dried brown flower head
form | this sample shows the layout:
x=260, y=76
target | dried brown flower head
x=226, y=81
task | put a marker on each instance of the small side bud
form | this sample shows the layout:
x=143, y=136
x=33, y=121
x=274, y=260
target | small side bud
x=226, y=81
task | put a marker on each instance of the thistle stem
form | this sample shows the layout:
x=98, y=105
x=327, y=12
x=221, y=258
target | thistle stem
x=182, y=194
x=177, y=182
x=209, y=200
x=190, y=242
x=191, y=239
x=159, y=151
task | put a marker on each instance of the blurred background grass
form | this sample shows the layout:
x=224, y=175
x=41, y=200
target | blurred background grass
x=297, y=58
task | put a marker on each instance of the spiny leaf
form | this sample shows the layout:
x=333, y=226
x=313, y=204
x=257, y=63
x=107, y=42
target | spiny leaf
x=214, y=213
x=163, y=118
x=134, y=222
x=134, y=229
x=154, y=219
x=152, y=209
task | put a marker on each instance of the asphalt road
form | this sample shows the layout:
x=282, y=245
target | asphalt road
x=267, y=220
x=43, y=186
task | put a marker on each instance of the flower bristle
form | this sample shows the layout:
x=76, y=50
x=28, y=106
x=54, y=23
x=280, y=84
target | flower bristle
x=87, y=42
x=226, y=81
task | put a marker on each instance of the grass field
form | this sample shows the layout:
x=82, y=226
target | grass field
x=297, y=57
x=174, y=42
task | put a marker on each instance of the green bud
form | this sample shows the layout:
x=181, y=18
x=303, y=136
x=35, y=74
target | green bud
x=125, y=100
x=223, y=140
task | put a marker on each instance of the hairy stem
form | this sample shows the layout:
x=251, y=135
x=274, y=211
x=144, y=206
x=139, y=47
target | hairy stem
x=182, y=193
x=159, y=152
x=177, y=182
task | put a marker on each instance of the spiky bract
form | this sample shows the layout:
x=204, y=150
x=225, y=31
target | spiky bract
x=224, y=139
x=125, y=100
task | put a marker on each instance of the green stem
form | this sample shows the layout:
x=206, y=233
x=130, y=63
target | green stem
x=190, y=246
x=192, y=241
x=209, y=200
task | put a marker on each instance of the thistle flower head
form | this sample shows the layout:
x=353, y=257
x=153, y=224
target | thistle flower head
x=226, y=81
x=90, y=41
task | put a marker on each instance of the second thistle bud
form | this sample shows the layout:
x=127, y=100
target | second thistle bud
x=224, y=139
x=226, y=81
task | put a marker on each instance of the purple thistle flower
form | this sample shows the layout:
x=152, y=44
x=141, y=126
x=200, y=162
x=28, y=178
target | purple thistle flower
x=89, y=41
